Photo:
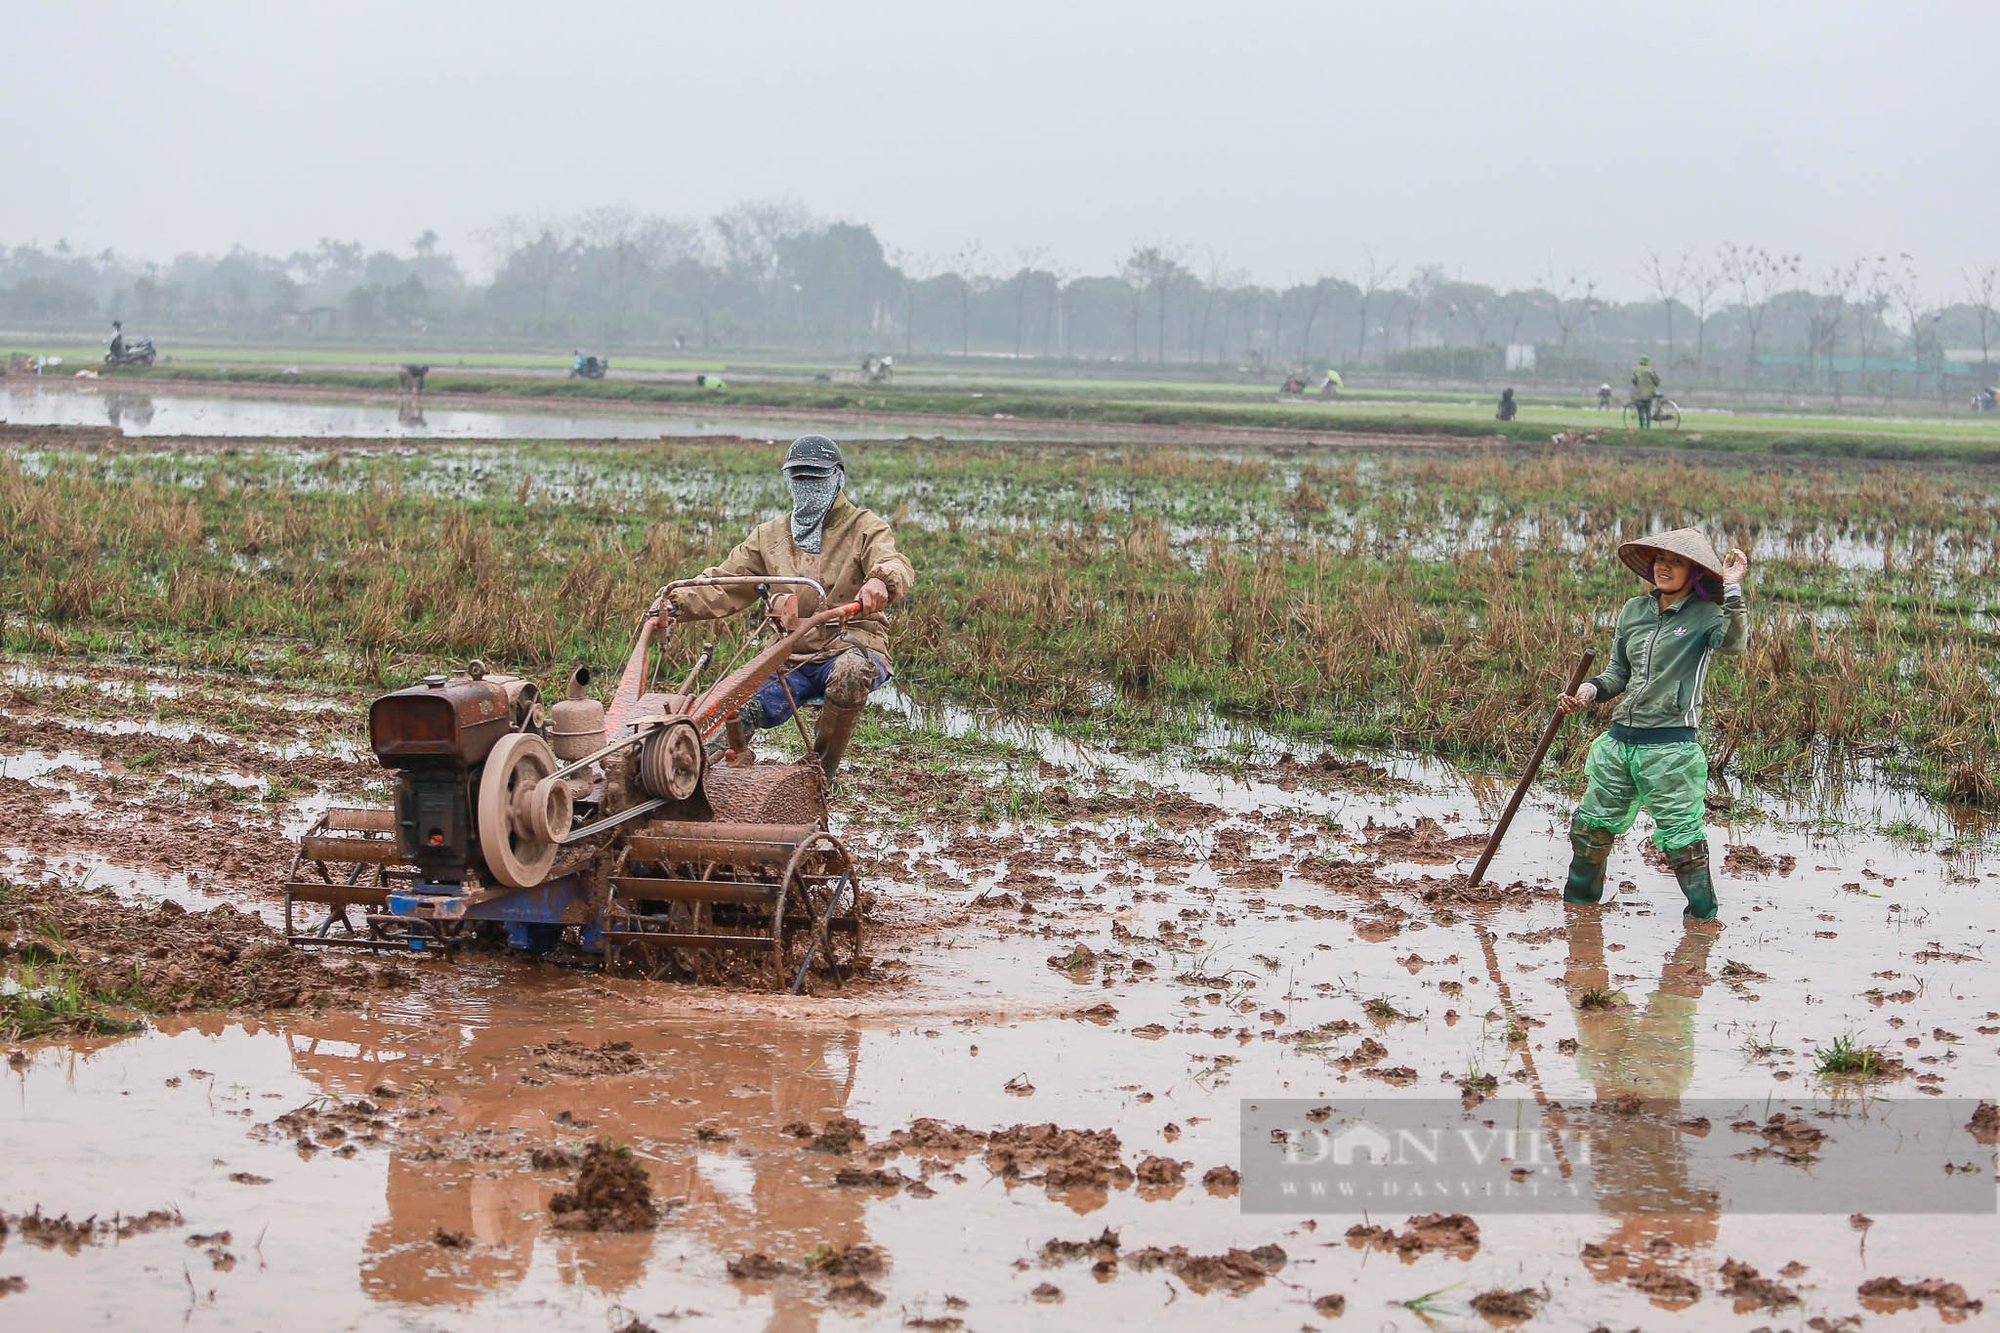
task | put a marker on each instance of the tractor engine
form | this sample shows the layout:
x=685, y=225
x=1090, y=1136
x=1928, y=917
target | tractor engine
x=437, y=738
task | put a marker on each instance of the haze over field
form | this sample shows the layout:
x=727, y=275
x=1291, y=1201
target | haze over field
x=1284, y=140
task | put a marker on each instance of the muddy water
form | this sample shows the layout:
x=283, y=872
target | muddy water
x=1860, y=937
x=173, y=414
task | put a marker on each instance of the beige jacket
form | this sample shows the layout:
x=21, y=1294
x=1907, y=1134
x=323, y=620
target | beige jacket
x=857, y=546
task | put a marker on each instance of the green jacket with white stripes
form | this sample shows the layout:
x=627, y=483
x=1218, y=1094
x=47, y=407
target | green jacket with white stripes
x=1659, y=663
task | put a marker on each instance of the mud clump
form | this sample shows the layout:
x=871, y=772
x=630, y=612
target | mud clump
x=847, y=1261
x=1753, y=1290
x=13, y=1286
x=1447, y=1233
x=1672, y=1288
x=1424, y=842
x=1743, y=859
x=1101, y=1251
x=1893, y=1293
x=759, y=1267
x=1162, y=1173
x=1222, y=1181
x=1058, y=1159
x=342, y=1128
x=573, y=1059
x=612, y=1193
x=1233, y=1273
x=1985, y=1122
x=1789, y=1137
x=166, y=959
x=1500, y=1304
x=60, y=1233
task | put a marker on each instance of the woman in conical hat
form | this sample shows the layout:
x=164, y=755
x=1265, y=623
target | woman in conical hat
x=1652, y=757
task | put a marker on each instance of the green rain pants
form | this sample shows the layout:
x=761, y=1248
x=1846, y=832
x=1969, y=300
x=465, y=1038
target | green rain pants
x=1668, y=780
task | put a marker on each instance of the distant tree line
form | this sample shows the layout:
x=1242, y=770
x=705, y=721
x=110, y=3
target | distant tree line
x=771, y=274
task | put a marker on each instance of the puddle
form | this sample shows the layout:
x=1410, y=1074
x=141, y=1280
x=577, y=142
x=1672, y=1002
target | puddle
x=165, y=414
x=1230, y=969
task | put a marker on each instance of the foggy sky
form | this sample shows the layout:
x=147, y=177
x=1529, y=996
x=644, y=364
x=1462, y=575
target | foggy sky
x=1502, y=141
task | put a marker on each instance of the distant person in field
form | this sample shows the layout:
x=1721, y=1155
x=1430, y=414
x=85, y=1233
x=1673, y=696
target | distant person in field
x=1645, y=388
x=1651, y=757
x=117, y=338
x=1604, y=397
x=1507, y=406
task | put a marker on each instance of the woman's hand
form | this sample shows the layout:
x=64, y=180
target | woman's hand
x=1735, y=565
x=1586, y=694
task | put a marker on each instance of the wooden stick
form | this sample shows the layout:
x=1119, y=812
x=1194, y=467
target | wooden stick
x=1534, y=767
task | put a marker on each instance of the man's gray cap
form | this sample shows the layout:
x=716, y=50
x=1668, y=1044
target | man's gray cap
x=812, y=456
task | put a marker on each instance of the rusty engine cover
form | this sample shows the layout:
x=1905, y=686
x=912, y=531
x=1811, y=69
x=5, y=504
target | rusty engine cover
x=454, y=719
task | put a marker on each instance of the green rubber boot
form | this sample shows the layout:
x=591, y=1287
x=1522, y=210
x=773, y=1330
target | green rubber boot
x=1690, y=865
x=1592, y=850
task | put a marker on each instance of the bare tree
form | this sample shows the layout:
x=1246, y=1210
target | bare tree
x=1030, y=256
x=1374, y=278
x=1669, y=279
x=915, y=270
x=1422, y=284
x=1757, y=276
x=969, y=266
x=1316, y=299
x=1562, y=302
x=1981, y=286
x=1920, y=319
x=1704, y=280
x=1875, y=300
x=1825, y=316
x=1152, y=270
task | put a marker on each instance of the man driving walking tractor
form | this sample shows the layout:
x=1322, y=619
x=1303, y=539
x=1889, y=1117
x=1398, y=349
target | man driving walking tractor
x=852, y=553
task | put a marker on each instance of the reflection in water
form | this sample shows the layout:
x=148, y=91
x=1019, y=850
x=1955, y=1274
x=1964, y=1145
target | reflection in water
x=301, y=417
x=465, y=1168
x=133, y=411
x=1640, y=1060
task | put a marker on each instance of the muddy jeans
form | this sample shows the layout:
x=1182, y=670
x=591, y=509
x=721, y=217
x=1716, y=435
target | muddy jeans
x=809, y=684
x=1668, y=781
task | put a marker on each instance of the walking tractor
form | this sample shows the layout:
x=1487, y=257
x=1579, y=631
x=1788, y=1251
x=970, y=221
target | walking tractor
x=646, y=834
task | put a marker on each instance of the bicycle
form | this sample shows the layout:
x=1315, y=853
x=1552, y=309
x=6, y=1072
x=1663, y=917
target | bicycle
x=1666, y=414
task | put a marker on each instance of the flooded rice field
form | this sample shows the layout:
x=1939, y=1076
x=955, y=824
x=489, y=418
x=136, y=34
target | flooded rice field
x=166, y=414
x=1085, y=966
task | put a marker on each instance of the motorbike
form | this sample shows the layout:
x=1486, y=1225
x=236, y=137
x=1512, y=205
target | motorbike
x=132, y=352
x=1986, y=400
x=589, y=367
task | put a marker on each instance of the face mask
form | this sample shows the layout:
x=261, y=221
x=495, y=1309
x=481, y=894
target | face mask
x=811, y=498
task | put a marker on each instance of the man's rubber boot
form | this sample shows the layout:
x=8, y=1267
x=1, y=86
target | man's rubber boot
x=738, y=735
x=835, y=730
x=1690, y=865
x=1591, y=846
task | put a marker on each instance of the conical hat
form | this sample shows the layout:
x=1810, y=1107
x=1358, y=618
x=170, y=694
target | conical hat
x=1688, y=543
